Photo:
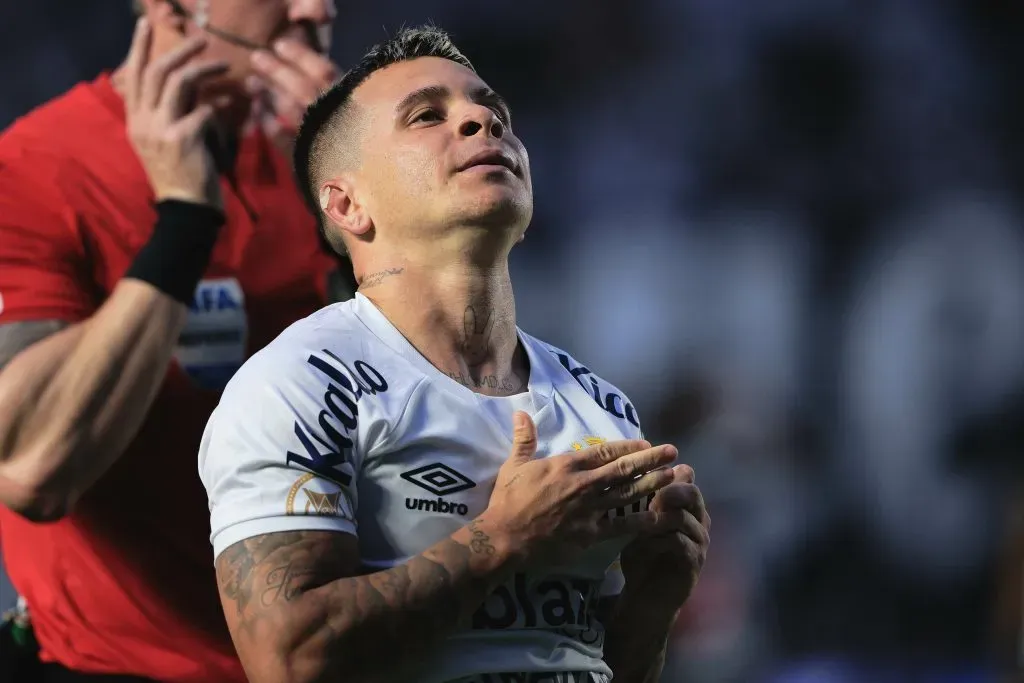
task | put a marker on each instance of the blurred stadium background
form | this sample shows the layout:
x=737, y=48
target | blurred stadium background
x=797, y=223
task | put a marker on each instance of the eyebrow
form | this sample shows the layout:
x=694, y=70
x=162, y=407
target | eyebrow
x=433, y=93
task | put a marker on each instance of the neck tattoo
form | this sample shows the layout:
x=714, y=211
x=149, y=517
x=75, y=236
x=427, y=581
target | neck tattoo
x=505, y=385
x=374, y=279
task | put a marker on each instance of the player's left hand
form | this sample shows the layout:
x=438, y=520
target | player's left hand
x=289, y=77
x=668, y=564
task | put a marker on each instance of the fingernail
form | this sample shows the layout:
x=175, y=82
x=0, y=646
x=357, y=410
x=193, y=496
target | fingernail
x=253, y=84
x=283, y=46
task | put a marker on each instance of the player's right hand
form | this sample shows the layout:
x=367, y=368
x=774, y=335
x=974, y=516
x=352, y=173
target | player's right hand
x=166, y=126
x=550, y=507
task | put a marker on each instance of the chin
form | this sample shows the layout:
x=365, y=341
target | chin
x=499, y=207
x=507, y=217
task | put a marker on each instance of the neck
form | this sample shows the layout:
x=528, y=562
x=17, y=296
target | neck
x=461, y=318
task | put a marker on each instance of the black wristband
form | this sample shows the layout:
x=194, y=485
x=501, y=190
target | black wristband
x=175, y=257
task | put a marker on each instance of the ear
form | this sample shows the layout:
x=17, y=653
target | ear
x=340, y=203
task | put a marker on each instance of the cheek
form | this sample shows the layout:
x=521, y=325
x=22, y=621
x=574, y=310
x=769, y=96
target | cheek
x=416, y=169
x=523, y=154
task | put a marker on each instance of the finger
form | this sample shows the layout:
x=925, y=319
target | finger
x=692, y=528
x=524, y=438
x=681, y=522
x=633, y=465
x=308, y=61
x=138, y=56
x=156, y=74
x=683, y=473
x=626, y=494
x=683, y=497
x=671, y=547
x=196, y=120
x=594, y=457
x=282, y=76
x=680, y=496
x=182, y=86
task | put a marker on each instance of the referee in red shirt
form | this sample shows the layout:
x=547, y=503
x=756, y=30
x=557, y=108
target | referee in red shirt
x=151, y=238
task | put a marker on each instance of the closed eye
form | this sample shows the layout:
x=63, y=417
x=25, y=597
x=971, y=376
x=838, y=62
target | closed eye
x=427, y=116
x=502, y=114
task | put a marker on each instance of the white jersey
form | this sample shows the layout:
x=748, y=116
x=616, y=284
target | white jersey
x=341, y=425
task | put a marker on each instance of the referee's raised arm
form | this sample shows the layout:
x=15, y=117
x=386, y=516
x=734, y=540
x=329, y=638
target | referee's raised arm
x=74, y=390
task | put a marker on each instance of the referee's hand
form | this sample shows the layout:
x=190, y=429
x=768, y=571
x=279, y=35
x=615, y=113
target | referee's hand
x=166, y=125
x=552, y=507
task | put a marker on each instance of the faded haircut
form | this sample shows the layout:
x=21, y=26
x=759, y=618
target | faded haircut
x=324, y=140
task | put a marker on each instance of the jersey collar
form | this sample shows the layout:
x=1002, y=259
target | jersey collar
x=540, y=376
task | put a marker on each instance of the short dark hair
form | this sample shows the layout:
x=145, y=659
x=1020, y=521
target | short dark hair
x=312, y=144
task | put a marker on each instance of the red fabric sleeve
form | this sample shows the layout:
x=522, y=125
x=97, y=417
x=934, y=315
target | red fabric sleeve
x=44, y=273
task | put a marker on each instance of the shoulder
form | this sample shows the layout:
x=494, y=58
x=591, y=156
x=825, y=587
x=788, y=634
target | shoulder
x=569, y=374
x=62, y=139
x=328, y=351
x=312, y=403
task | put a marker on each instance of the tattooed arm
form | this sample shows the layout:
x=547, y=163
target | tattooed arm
x=298, y=612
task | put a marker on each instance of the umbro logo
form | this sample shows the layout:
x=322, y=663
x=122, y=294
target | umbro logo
x=438, y=479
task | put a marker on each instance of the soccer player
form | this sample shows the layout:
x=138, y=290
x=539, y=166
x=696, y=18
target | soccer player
x=140, y=264
x=407, y=487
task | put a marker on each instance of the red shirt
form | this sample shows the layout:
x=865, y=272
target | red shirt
x=125, y=584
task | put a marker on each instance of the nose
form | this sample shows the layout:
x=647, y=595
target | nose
x=481, y=119
x=316, y=17
x=319, y=12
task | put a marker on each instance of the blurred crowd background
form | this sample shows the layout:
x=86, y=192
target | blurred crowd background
x=792, y=231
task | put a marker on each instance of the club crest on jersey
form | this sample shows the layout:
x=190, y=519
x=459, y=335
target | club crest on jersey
x=440, y=480
x=310, y=495
x=587, y=442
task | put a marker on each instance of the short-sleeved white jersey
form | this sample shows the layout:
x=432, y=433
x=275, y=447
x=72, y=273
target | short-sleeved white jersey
x=341, y=425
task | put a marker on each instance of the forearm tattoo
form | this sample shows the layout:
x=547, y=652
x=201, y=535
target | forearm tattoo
x=288, y=591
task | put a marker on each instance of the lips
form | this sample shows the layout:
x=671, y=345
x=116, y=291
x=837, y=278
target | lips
x=491, y=157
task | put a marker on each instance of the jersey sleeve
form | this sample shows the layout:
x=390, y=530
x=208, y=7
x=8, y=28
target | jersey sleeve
x=273, y=459
x=44, y=272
